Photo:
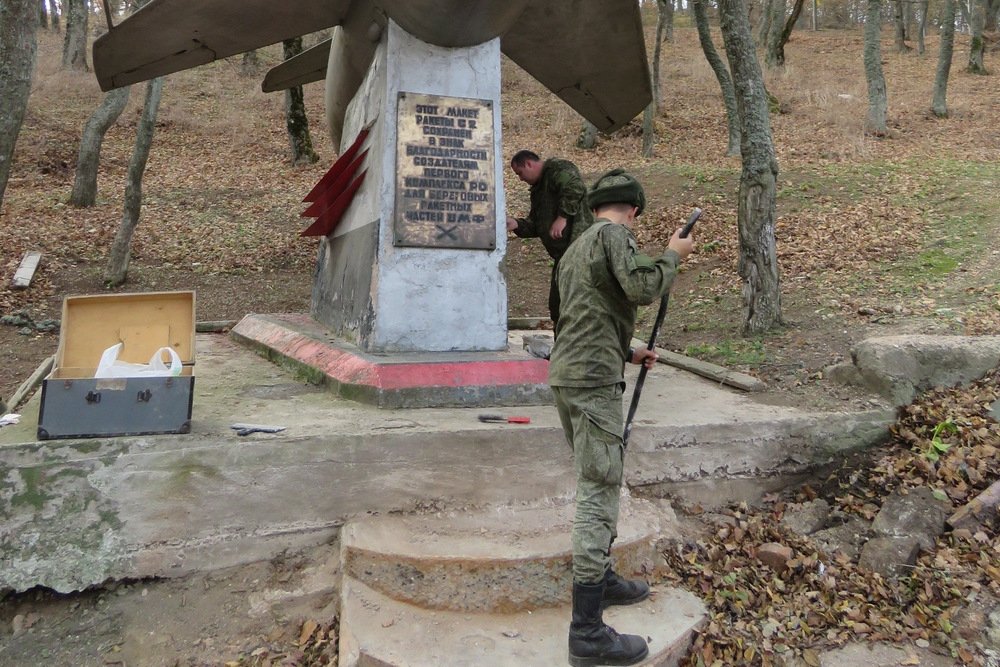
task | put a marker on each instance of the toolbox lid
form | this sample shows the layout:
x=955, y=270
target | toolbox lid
x=143, y=322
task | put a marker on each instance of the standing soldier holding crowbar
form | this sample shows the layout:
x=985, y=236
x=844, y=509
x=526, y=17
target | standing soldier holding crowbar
x=602, y=280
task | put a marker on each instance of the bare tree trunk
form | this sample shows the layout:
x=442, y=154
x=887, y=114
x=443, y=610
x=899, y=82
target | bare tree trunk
x=764, y=25
x=922, y=27
x=776, y=24
x=648, y=129
x=992, y=13
x=588, y=136
x=786, y=33
x=977, y=47
x=665, y=20
x=758, y=261
x=814, y=23
x=963, y=10
x=910, y=17
x=116, y=271
x=899, y=21
x=664, y=32
x=75, y=43
x=54, y=15
x=251, y=64
x=43, y=16
x=85, y=185
x=721, y=73
x=939, y=105
x=18, y=24
x=295, y=113
x=875, y=123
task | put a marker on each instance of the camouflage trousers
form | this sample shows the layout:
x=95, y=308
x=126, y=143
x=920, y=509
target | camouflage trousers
x=592, y=421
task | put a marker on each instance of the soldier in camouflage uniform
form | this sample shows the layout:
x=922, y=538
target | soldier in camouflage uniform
x=559, y=211
x=602, y=279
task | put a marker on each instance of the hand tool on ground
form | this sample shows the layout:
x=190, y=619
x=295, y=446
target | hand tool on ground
x=660, y=315
x=247, y=429
x=500, y=419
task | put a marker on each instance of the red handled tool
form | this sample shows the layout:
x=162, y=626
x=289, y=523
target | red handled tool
x=500, y=419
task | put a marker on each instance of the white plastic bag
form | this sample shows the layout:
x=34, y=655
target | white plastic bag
x=110, y=367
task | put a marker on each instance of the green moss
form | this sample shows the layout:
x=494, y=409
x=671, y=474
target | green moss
x=187, y=469
x=70, y=471
x=110, y=519
x=33, y=479
x=87, y=446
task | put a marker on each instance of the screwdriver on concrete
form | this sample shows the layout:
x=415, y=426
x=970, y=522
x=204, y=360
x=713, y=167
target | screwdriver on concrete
x=500, y=419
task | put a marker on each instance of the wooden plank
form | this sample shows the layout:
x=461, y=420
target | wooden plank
x=26, y=271
x=215, y=326
x=31, y=383
x=977, y=510
x=707, y=369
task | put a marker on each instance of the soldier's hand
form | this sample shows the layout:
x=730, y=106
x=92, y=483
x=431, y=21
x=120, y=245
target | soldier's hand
x=645, y=357
x=682, y=247
x=511, y=224
x=558, y=227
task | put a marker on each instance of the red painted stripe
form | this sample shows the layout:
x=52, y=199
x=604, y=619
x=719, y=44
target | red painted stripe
x=349, y=368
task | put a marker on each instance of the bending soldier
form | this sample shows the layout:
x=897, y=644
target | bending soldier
x=559, y=211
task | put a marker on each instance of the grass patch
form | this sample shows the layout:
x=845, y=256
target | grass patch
x=933, y=263
x=744, y=352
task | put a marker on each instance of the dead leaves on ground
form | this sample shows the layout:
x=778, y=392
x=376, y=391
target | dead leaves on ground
x=758, y=616
x=308, y=643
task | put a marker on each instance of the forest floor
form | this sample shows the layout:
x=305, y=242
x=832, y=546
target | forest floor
x=875, y=237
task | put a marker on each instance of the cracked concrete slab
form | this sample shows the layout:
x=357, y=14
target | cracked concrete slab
x=78, y=512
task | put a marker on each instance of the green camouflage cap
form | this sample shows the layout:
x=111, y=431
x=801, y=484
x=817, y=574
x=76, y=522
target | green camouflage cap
x=617, y=187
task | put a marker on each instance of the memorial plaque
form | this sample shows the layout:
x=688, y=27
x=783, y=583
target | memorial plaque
x=445, y=189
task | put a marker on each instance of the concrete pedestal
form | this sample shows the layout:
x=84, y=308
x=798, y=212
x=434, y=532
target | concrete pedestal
x=375, y=289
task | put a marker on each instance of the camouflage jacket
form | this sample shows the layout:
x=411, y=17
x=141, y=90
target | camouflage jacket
x=602, y=280
x=559, y=191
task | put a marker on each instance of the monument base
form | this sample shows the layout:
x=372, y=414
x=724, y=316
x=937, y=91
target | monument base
x=402, y=380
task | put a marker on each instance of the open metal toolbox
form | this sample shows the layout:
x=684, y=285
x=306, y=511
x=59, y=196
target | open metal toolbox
x=75, y=404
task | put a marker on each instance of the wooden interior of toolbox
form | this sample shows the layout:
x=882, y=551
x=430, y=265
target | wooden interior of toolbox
x=143, y=322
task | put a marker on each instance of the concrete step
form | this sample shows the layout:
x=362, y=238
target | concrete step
x=501, y=560
x=376, y=630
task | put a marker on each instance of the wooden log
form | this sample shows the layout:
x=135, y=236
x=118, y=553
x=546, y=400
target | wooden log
x=977, y=510
x=215, y=326
x=517, y=323
x=31, y=383
x=26, y=271
x=707, y=369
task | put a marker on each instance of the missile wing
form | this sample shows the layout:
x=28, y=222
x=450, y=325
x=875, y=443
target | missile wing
x=167, y=36
x=591, y=54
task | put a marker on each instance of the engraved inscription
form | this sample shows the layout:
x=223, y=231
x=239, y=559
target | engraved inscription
x=445, y=193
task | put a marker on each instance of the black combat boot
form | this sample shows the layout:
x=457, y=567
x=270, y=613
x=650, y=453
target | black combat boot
x=618, y=590
x=591, y=642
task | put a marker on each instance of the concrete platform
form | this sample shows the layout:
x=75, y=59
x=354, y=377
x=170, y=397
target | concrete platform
x=77, y=512
x=376, y=630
